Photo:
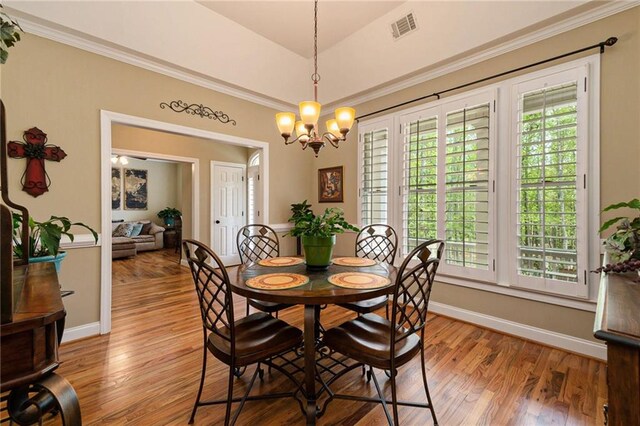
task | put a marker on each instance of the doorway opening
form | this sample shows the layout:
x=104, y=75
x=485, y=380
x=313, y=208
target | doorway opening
x=198, y=228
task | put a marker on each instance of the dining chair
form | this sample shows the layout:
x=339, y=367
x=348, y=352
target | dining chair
x=390, y=343
x=257, y=242
x=378, y=242
x=253, y=339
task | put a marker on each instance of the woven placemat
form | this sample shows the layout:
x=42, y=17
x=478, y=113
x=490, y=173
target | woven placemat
x=358, y=280
x=277, y=281
x=353, y=261
x=281, y=261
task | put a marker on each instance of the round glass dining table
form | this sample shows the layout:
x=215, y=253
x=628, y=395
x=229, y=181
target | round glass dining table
x=316, y=292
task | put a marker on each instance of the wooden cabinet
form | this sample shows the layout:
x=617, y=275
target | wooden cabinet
x=618, y=324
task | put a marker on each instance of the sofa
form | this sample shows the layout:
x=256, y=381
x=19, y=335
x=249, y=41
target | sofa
x=125, y=244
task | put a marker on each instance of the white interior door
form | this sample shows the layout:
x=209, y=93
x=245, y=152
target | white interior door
x=227, y=209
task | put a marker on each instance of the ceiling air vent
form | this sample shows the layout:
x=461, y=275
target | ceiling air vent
x=403, y=26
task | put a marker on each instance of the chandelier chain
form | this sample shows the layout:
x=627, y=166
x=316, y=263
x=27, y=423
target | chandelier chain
x=315, y=77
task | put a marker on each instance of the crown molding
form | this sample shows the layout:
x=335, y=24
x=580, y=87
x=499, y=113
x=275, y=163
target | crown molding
x=85, y=43
x=568, y=24
x=46, y=30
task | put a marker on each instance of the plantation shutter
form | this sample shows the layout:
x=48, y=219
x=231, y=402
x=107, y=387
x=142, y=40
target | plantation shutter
x=550, y=195
x=374, y=178
x=467, y=186
x=419, y=188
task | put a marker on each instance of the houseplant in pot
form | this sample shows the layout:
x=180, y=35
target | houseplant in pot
x=318, y=233
x=169, y=215
x=44, y=238
x=623, y=245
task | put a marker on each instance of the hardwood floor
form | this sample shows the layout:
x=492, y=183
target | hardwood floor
x=146, y=371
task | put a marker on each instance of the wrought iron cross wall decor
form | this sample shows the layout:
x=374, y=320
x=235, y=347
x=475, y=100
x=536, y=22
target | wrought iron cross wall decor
x=198, y=109
x=35, y=180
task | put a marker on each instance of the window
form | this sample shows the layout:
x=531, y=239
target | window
x=374, y=179
x=253, y=188
x=432, y=172
x=419, y=181
x=447, y=183
x=550, y=143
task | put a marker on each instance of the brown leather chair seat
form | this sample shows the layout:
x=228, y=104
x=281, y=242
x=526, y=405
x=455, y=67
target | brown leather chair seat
x=368, y=339
x=366, y=306
x=257, y=337
x=268, y=307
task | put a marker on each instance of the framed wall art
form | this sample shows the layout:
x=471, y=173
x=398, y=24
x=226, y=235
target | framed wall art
x=330, y=185
x=135, y=189
x=116, y=189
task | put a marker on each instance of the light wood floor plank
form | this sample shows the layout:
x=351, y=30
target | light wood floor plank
x=146, y=371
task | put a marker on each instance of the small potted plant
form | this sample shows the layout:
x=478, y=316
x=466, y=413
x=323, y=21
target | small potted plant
x=623, y=245
x=318, y=233
x=169, y=215
x=44, y=238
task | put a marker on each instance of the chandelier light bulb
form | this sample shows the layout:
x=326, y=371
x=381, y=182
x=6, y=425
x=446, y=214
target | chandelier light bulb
x=310, y=112
x=286, y=122
x=345, y=117
x=333, y=128
x=301, y=131
x=124, y=161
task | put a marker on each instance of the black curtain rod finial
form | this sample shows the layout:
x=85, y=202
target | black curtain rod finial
x=611, y=41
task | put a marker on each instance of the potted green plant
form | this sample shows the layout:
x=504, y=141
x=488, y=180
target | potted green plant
x=9, y=34
x=623, y=245
x=44, y=238
x=169, y=215
x=318, y=233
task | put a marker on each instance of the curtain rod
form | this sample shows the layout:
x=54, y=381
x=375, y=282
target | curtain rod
x=607, y=43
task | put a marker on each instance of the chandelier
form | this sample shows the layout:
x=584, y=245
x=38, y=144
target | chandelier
x=307, y=130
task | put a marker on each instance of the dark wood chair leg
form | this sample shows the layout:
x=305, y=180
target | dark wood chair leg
x=426, y=388
x=204, y=371
x=227, y=413
x=394, y=396
x=248, y=307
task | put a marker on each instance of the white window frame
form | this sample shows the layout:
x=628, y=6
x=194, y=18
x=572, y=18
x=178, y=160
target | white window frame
x=371, y=126
x=579, y=289
x=504, y=236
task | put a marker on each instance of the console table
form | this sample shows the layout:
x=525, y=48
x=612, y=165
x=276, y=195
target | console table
x=618, y=324
x=29, y=347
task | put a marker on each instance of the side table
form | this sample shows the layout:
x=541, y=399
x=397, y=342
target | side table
x=170, y=238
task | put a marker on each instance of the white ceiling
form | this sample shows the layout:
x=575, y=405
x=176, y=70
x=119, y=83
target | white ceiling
x=246, y=48
x=290, y=23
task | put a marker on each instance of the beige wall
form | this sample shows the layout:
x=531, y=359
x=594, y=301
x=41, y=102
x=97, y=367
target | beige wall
x=162, y=182
x=620, y=153
x=137, y=139
x=62, y=89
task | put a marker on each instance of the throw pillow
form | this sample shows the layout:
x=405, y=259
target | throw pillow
x=137, y=228
x=145, y=228
x=123, y=230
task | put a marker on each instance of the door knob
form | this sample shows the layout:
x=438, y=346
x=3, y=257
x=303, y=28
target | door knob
x=217, y=221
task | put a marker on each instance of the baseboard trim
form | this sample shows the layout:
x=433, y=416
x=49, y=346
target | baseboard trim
x=81, y=331
x=535, y=334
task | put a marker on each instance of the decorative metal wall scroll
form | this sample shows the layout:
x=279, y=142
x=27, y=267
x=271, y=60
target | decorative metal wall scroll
x=198, y=109
x=35, y=180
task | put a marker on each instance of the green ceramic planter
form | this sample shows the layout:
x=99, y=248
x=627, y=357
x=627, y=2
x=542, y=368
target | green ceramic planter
x=317, y=251
x=57, y=260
